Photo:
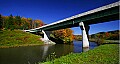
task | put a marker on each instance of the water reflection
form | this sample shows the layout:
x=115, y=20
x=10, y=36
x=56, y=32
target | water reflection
x=45, y=50
x=32, y=54
x=78, y=46
x=35, y=54
x=85, y=49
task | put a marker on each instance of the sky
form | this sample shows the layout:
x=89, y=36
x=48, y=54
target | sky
x=53, y=10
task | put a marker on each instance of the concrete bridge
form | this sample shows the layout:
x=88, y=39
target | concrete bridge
x=102, y=14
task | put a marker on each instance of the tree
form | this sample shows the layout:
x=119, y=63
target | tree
x=11, y=22
x=31, y=23
x=17, y=22
x=65, y=35
x=1, y=22
x=38, y=23
x=25, y=23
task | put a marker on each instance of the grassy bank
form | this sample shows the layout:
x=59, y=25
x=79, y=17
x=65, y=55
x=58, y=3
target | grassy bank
x=18, y=38
x=104, y=54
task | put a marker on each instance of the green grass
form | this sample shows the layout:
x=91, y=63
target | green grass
x=104, y=54
x=18, y=38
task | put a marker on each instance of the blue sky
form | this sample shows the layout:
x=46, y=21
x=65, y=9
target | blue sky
x=53, y=10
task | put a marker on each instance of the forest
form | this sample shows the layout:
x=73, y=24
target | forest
x=17, y=22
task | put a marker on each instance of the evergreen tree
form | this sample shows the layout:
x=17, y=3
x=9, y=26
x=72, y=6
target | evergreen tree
x=10, y=23
x=1, y=22
x=18, y=22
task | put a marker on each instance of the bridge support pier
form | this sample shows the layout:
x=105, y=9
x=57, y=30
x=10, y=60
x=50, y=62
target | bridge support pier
x=45, y=39
x=85, y=29
x=45, y=35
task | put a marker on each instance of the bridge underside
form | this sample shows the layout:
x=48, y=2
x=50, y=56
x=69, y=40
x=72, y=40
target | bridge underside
x=98, y=17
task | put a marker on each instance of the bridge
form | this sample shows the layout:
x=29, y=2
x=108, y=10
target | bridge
x=102, y=14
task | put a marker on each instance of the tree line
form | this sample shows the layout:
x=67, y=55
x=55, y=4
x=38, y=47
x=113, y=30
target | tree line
x=102, y=37
x=110, y=35
x=16, y=22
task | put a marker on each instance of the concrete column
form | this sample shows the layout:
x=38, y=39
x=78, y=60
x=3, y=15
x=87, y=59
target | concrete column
x=45, y=35
x=48, y=33
x=84, y=49
x=85, y=29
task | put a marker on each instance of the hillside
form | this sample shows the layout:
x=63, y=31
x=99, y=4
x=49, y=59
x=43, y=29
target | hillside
x=110, y=35
x=18, y=38
x=102, y=37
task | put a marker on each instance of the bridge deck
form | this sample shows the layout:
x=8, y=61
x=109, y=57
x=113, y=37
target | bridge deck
x=98, y=15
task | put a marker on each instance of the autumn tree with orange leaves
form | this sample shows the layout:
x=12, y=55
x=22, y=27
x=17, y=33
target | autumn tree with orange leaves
x=63, y=35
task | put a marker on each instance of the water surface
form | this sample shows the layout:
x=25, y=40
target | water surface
x=35, y=54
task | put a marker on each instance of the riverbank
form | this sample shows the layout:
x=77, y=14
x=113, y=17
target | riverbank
x=17, y=38
x=104, y=54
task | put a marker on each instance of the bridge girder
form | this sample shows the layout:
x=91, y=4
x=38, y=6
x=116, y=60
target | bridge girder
x=99, y=15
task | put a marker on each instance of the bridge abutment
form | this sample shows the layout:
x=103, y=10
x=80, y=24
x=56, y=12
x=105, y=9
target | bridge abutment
x=46, y=39
x=85, y=36
x=45, y=35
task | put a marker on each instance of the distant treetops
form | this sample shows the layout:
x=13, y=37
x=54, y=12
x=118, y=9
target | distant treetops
x=16, y=22
x=110, y=35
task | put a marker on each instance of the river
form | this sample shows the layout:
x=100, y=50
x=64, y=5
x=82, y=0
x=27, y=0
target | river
x=35, y=54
